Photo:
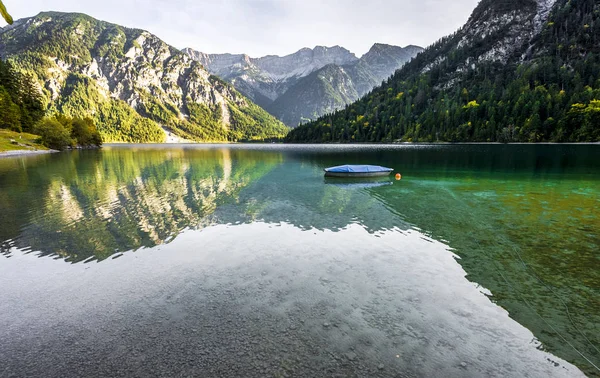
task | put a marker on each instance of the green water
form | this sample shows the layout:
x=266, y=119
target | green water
x=522, y=221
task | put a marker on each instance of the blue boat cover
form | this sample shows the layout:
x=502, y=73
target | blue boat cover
x=358, y=169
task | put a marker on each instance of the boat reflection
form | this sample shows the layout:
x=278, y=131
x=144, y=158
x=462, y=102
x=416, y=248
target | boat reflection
x=359, y=183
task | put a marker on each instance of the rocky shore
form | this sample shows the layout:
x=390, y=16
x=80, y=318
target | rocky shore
x=24, y=152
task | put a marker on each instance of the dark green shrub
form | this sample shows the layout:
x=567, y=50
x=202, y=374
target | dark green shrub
x=53, y=134
x=84, y=132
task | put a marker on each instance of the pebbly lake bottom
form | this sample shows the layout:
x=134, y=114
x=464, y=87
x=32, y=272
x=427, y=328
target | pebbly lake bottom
x=243, y=261
x=216, y=307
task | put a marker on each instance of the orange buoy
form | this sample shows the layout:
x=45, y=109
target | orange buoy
x=398, y=176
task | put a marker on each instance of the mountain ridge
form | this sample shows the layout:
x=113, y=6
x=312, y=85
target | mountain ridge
x=130, y=81
x=273, y=74
x=267, y=80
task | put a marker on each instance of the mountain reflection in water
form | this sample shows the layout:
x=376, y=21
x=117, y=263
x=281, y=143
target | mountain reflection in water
x=95, y=204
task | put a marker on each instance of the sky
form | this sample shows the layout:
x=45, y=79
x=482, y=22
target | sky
x=272, y=27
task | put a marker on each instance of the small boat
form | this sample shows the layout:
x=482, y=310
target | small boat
x=358, y=171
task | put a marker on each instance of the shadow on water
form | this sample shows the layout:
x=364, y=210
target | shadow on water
x=522, y=219
x=358, y=183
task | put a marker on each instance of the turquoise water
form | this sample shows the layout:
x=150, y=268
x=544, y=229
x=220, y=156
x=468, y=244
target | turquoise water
x=482, y=260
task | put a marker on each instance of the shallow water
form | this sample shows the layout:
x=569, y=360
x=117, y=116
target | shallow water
x=244, y=261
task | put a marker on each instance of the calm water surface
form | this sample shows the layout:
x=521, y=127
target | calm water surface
x=484, y=260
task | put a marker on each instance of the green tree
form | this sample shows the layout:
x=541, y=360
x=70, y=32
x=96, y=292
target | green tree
x=84, y=132
x=53, y=134
x=32, y=103
x=10, y=113
x=21, y=103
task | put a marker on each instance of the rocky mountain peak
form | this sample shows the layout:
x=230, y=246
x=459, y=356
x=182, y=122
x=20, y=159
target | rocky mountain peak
x=381, y=46
x=304, y=61
x=303, y=85
x=337, y=54
x=379, y=49
x=266, y=78
x=383, y=59
x=413, y=49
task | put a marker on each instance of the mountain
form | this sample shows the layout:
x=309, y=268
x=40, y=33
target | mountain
x=335, y=86
x=379, y=63
x=517, y=71
x=135, y=86
x=190, y=189
x=265, y=79
x=308, y=83
x=322, y=91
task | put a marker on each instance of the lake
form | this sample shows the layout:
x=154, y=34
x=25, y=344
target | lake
x=243, y=260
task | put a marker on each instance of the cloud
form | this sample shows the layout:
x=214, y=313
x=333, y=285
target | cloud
x=261, y=27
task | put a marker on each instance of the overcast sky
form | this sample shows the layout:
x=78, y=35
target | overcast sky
x=262, y=27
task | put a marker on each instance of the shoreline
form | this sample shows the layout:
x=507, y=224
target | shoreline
x=191, y=143
x=13, y=153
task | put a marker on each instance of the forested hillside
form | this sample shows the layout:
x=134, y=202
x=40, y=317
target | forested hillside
x=22, y=110
x=21, y=105
x=516, y=72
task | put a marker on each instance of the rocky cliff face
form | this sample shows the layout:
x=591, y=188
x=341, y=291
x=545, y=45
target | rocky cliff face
x=287, y=87
x=81, y=62
x=265, y=79
x=321, y=92
x=304, y=62
x=495, y=32
x=382, y=60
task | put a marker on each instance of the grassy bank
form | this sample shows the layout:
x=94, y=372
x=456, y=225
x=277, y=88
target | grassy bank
x=12, y=141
